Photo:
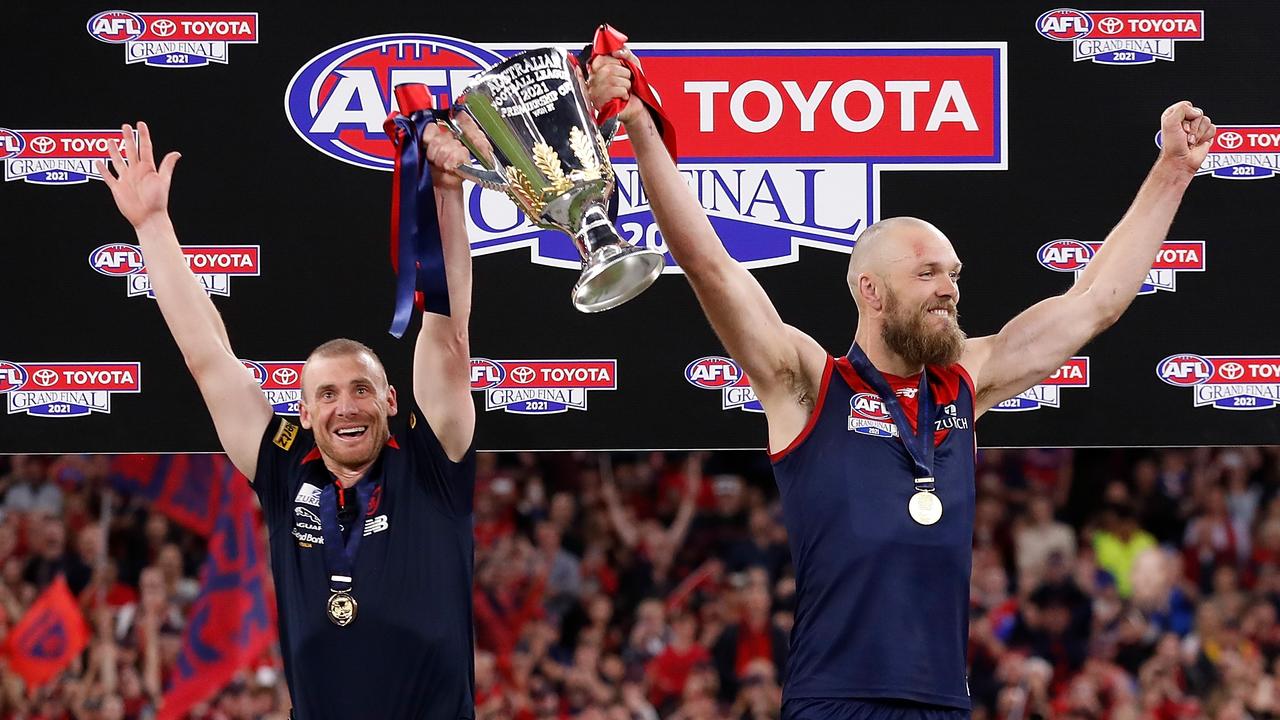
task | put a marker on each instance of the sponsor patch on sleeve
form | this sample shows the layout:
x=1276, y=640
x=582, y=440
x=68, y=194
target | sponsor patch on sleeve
x=285, y=436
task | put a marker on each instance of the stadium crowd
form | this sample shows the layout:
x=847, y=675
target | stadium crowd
x=1107, y=585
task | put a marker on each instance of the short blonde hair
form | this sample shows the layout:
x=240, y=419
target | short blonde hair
x=339, y=347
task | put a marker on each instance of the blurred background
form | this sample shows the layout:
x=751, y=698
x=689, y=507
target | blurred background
x=1106, y=584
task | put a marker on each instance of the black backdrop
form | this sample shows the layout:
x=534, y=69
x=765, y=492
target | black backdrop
x=1080, y=140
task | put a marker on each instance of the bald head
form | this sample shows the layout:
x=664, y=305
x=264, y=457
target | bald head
x=887, y=243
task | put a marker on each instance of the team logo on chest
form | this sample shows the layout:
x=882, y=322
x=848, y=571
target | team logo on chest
x=869, y=416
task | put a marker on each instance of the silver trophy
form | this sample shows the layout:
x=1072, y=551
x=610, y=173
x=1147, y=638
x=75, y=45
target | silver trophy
x=548, y=156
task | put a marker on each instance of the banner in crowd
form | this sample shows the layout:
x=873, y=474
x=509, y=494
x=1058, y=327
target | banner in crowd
x=48, y=636
x=189, y=489
x=232, y=621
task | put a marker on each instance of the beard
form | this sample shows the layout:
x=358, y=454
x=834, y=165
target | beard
x=907, y=333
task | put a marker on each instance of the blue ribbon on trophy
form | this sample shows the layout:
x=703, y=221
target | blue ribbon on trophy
x=417, y=251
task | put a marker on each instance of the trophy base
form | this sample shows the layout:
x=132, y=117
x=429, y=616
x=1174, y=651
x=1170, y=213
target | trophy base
x=614, y=275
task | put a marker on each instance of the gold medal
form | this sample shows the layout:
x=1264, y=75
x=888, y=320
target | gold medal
x=925, y=507
x=342, y=608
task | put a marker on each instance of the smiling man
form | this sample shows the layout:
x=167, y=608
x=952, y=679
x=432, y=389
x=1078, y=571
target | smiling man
x=874, y=452
x=371, y=539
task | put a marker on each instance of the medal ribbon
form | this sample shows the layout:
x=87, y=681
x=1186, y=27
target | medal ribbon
x=919, y=444
x=417, y=251
x=340, y=554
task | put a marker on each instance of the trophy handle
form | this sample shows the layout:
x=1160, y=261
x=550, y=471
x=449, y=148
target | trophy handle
x=486, y=179
x=482, y=176
x=609, y=129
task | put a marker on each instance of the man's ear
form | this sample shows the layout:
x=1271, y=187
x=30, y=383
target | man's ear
x=869, y=291
x=392, y=405
x=304, y=415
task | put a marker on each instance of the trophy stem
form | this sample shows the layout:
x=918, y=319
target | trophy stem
x=613, y=271
x=596, y=231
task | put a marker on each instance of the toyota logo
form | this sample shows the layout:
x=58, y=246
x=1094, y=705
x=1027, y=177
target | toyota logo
x=523, y=374
x=44, y=377
x=285, y=376
x=1230, y=140
x=164, y=27
x=1110, y=25
x=43, y=144
x=1231, y=370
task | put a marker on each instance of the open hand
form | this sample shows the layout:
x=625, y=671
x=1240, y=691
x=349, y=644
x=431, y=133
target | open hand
x=140, y=189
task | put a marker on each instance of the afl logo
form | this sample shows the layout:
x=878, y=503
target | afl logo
x=485, y=374
x=11, y=143
x=339, y=99
x=258, y=372
x=117, y=259
x=1185, y=370
x=1064, y=255
x=12, y=376
x=713, y=372
x=115, y=26
x=870, y=406
x=1064, y=24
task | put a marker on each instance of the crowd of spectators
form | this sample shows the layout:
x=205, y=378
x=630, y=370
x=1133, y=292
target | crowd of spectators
x=1107, y=585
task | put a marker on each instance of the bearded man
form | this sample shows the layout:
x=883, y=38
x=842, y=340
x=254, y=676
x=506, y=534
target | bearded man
x=874, y=452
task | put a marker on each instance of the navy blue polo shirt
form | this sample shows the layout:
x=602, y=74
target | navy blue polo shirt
x=408, y=653
x=881, y=601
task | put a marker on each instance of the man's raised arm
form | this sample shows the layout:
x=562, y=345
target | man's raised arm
x=784, y=364
x=442, y=357
x=1038, y=341
x=141, y=191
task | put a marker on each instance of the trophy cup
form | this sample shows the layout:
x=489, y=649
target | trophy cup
x=548, y=156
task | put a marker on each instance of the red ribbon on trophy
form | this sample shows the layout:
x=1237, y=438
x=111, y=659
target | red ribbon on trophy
x=607, y=41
